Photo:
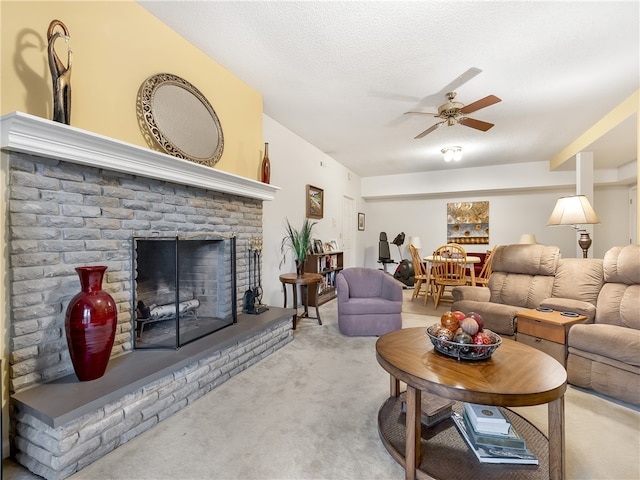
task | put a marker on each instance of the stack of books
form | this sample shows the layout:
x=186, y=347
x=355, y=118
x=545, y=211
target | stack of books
x=491, y=436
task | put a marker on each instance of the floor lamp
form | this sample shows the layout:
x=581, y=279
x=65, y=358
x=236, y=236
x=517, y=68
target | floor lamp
x=575, y=210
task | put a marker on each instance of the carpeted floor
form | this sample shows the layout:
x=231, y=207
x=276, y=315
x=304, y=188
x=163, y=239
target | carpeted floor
x=309, y=411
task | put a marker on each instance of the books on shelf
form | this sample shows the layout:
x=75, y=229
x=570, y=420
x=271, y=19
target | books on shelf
x=486, y=418
x=486, y=454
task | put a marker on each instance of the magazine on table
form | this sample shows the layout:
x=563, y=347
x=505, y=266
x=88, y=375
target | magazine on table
x=495, y=454
x=512, y=440
x=487, y=418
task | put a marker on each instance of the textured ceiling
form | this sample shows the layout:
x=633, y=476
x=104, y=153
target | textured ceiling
x=342, y=74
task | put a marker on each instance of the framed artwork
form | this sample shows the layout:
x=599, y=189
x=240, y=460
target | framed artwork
x=317, y=246
x=468, y=223
x=315, y=202
x=360, y=221
x=334, y=245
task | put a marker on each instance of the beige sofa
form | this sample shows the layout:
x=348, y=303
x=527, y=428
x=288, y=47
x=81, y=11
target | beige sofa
x=604, y=351
x=522, y=277
x=605, y=355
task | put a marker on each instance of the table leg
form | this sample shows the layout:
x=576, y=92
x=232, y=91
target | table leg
x=284, y=289
x=295, y=304
x=318, y=311
x=305, y=300
x=557, y=464
x=473, y=274
x=412, y=454
x=394, y=387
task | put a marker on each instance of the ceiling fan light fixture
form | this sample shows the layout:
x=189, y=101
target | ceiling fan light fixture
x=452, y=153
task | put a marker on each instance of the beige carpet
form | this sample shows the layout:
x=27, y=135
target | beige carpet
x=309, y=411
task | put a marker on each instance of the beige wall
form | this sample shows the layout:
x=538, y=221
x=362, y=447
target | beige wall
x=116, y=46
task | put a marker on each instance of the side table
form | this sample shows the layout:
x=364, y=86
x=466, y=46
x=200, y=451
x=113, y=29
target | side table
x=305, y=280
x=546, y=331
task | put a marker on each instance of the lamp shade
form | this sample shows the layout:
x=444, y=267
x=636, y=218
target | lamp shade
x=415, y=241
x=573, y=211
x=528, y=238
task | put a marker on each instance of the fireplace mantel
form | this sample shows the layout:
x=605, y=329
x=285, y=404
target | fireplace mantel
x=22, y=132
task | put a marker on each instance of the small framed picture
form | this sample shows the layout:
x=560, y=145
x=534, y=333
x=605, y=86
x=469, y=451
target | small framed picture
x=315, y=202
x=360, y=221
x=334, y=245
x=317, y=246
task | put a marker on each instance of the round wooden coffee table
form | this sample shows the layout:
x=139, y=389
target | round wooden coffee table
x=516, y=375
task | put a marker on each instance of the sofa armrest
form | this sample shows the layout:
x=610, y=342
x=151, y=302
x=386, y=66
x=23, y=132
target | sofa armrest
x=570, y=305
x=342, y=287
x=477, y=294
x=391, y=289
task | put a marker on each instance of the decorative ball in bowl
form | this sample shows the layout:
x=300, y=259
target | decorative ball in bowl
x=464, y=338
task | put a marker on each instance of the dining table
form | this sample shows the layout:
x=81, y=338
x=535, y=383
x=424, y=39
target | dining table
x=469, y=261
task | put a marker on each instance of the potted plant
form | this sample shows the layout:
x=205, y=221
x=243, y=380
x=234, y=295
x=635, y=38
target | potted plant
x=298, y=242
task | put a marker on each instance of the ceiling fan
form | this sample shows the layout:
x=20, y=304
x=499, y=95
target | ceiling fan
x=452, y=113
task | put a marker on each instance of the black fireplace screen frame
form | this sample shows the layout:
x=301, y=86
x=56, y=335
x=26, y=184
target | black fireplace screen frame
x=169, y=254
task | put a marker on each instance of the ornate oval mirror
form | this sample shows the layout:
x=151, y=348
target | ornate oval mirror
x=180, y=119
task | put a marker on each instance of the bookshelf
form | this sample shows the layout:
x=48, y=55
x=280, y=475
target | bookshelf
x=328, y=265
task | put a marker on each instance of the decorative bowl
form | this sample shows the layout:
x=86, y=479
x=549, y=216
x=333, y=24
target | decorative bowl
x=462, y=351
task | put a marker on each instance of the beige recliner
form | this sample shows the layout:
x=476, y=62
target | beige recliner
x=522, y=277
x=605, y=355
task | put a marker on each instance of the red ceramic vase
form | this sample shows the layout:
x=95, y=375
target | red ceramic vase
x=90, y=324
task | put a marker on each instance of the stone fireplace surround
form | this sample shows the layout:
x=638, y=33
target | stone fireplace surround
x=77, y=198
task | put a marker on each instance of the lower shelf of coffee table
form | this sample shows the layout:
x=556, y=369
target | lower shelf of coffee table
x=445, y=454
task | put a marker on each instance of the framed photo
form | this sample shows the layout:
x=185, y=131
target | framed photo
x=334, y=245
x=317, y=246
x=315, y=202
x=360, y=221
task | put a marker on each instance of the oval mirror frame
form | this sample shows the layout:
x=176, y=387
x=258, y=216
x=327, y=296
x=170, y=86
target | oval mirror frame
x=180, y=119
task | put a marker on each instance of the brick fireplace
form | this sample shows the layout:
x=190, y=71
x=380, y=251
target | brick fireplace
x=76, y=198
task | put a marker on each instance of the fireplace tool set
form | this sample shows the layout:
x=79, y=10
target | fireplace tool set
x=252, y=301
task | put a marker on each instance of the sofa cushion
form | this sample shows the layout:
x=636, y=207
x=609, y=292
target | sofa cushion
x=579, y=279
x=526, y=259
x=622, y=265
x=618, y=343
x=619, y=304
x=519, y=290
x=361, y=306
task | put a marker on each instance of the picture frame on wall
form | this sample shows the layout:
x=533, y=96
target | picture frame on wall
x=315, y=202
x=361, y=221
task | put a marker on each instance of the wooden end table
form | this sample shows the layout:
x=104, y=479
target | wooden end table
x=516, y=375
x=304, y=281
x=546, y=331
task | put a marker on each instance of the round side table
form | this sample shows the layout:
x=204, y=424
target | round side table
x=304, y=281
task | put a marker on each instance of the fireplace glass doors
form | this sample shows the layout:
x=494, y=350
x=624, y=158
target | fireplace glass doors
x=184, y=289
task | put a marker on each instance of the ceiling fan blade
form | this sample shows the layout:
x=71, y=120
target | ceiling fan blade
x=415, y=112
x=428, y=130
x=482, y=103
x=477, y=124
x=452, y=87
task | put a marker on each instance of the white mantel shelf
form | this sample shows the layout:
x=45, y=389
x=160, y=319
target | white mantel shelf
x=22, y=132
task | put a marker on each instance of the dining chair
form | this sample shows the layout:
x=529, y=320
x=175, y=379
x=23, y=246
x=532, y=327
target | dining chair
x=483, y=277
x=449, y=268
x=420, y=273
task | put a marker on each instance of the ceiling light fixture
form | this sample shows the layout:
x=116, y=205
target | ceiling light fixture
x=452, y=153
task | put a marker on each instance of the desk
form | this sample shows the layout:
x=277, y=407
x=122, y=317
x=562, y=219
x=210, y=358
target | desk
x=304, y=281
x=507, y=379
x=429, y=263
